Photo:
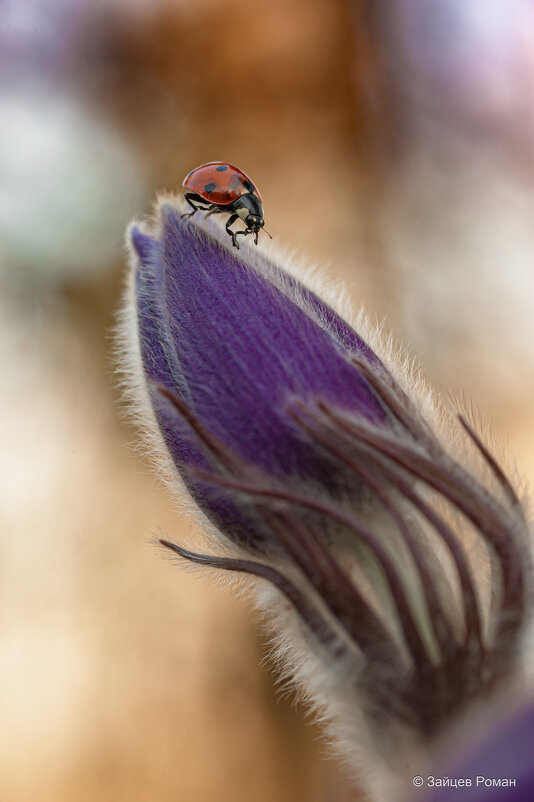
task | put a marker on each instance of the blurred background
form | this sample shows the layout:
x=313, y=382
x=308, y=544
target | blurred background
x=393, y=142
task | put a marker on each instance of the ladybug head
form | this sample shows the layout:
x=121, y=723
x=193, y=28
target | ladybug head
x=254, y=222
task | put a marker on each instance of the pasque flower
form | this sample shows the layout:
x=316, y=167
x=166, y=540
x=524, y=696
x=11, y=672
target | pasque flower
x=325, y=469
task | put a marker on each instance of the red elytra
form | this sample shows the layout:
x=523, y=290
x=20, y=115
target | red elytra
x=220, y=183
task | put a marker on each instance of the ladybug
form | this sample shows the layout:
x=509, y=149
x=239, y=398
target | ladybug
x=223, y=188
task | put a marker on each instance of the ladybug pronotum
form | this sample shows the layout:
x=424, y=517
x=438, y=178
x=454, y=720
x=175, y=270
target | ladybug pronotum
x=217, y=187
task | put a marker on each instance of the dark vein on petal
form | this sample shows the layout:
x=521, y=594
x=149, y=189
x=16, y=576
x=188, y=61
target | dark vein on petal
x=442, y=629
x=495, y=467
x=309, y=614
x=409, y=626
x=467, y=496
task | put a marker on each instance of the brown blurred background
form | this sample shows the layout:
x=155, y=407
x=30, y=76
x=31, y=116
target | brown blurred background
x=392, y=142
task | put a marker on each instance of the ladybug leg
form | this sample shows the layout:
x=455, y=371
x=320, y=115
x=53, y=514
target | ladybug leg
x=191, y=198
x=233, y=234
x=216, y=210
x=242, y=233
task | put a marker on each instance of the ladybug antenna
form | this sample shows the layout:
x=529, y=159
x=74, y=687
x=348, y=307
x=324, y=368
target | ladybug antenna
x=267, y=233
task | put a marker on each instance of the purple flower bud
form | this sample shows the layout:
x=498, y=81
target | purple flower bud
x=397, y=538
x=234, y=345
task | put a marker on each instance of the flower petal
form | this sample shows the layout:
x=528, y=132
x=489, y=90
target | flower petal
x=238, y=349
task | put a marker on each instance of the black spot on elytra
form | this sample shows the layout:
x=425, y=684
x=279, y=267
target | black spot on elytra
x=248, y=186
x=209, y=188
x=221, y=168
